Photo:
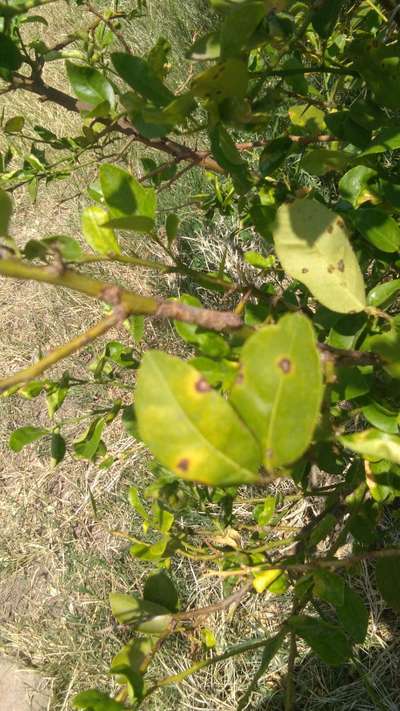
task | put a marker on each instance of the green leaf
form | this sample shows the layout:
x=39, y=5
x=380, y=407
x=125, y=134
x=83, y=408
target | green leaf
x=238, y=28
x=322, y=161
x=387, y=346
x=274, y=154
x=383, y=295
x=6, y=207
x=263, y=513
x=312, y=245
x=55, y=398
x=354, y=186
x=158, y=57
x=139, y=75
x=380, y=417
x=270, y=650
x=373, y=445
x=266, y=579
x=135, y=325
x=279, y=390
x=211, y=444
x=388, y=139
x=89, y=85
x=160, y=589
x=145, y=616
x=224, y=80
x=379, y=66
x=329, y=587
x=257, y=260
x=326, y=640
x=14, y=124
x=322, y=529
x=378, y=228
x=353, y=615
x=307, y=119
x=171, y=227
x=100, y=238
x=10, y=56
x=25, y=435
x=87, y=445
x=388, y=580
x=131, y=661
x=132, y=223
x=124, y=195
x=206, y=47
x=58, y=448
x=324, y=16
x=70, y=249
x=227, y=155
x=95, y=700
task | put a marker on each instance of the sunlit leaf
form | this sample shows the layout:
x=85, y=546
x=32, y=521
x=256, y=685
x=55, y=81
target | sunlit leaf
x=210, y=444
x=313, y=247
x=100, y=238
x=278, y=392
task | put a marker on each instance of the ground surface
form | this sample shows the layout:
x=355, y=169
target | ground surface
x=21, y=689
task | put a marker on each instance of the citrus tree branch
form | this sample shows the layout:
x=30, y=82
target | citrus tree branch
x=116, y=296
x=24, y=376
x=316, y=564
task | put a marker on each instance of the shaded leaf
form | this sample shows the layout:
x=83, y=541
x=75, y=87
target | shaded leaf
x=125, y=196
x=326, y=640
x=160, y=589
x=353, y=615
x=141, y=77
x=388, y=580
x=145, y=616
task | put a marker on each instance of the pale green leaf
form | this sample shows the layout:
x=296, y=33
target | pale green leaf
x=191, y=429
x=100, y=238
x=312, y=244
x=279, y=390
x=374, y=445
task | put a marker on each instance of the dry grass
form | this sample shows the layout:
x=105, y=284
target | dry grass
x=58, y=558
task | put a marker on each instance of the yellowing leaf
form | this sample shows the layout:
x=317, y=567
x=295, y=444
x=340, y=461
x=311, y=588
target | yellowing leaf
x=312, y=244
x=374, y=445
x=263, y=580
x=191, y=429
x=100, y=238
x=221, y=81
x=279, y=390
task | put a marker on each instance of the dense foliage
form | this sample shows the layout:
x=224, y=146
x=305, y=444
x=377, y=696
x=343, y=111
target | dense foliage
x=291, y=109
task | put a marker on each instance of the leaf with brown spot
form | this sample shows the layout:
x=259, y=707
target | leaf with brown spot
x=280, y=394
x=309, y=236
x=190, y=428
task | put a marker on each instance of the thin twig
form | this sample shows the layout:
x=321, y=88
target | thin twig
x=24, y=376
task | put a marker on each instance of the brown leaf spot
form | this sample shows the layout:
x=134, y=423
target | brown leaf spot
x=340, y=222
x=183, y=465
x=329, y=229
x=331, y=268
x=304, y=270
x=340, y=265
x=202, y=386
x=285, y=365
